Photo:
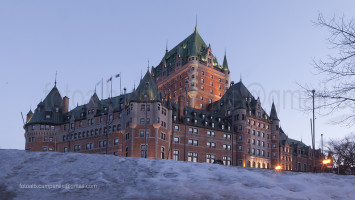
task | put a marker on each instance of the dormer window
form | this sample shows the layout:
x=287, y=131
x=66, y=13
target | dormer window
x=105, y=109
x=206, y=123
x=212, y=125
x=222, y=126
x=56, y=109
x=188, y=119
x=195, y=121
x=48, y=116
x=203, y=116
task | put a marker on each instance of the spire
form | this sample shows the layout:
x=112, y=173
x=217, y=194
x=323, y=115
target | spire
x=196, y=24
x=148, y=65
x=273, y=113
x=240, y=77
x=166, y=47
x=55, y=79
x=225, y=63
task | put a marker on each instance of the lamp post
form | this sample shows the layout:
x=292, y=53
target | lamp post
x=313, y=138
x=146, y=116
x=185, y=117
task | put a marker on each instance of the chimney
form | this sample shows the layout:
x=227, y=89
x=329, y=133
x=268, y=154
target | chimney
x=65, y=104
x=180, y=107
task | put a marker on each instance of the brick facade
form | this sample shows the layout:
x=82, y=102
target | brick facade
x=220, y=121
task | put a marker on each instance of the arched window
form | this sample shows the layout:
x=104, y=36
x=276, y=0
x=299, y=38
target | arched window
x=259, y=165
x=263, y=165
x=249, y=163
x=268, y=166
x=254, y=165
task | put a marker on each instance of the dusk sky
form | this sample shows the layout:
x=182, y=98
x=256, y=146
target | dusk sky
x=269, y=44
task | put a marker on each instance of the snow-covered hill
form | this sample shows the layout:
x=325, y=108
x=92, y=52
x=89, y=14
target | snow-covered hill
x=85, y=176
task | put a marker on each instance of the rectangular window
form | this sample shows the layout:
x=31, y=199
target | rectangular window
x=226, y=147
x=210, y=158
x=177, y=127
x=176, y=140
x=162, y=136
x=192, y=157
x=176, y=154
x=195, y=131
x=142, y=121
x=195, y=142
x=116, y=141
x=190, y=142
x=227, y=160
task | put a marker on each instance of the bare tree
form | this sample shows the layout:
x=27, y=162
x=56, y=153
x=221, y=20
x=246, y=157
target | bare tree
x=343, y=152
x=339, y=70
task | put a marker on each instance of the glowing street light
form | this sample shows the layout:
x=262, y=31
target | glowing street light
x=278, y=167
x=326, y=161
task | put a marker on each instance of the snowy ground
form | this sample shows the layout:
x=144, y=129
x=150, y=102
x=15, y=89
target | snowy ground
x=111, y=177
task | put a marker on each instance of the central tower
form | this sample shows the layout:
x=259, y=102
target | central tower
x=191, y=66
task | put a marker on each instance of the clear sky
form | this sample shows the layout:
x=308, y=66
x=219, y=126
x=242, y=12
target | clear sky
x=270, y=44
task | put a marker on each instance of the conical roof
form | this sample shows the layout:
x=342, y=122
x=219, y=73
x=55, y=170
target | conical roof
x=30, y=112
x=147, y=86
x=273, y=113
x=49, y=110
x=225, y=63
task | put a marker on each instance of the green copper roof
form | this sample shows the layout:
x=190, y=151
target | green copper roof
x=225, y=63
x=193, y=45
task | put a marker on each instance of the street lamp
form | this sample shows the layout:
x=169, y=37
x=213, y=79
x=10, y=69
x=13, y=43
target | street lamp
x=327, y=161
x=278, y=167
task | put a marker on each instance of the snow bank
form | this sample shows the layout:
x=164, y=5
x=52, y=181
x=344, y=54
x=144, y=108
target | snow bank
x=41, y=175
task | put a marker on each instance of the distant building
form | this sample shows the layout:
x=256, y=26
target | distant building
x=221, y=120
